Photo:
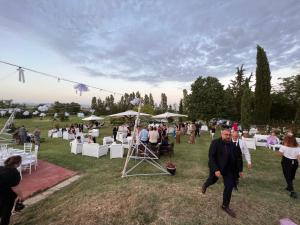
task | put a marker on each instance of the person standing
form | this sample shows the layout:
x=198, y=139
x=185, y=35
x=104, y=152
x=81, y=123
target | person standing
x=192, y=133
x=37, y=137
x=239, y=143
x=143, y=136
x=290, y=152
x=197, y=130
x=115, y=131
x=22, y=134
x=153, y=136
x=226, y=161
x=212, y=131
x=235, y=126
x=178, y=133
x=9, y=190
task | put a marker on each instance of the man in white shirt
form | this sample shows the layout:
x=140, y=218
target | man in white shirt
x=243, y=147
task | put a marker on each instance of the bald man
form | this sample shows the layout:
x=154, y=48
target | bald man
x=242, y=145
x=224, y=160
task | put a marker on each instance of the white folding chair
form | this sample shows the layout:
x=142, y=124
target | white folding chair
x=27, y=147
x=3, y=147
x=27, y=163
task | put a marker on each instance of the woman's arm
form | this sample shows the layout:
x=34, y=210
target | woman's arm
x=18, y=191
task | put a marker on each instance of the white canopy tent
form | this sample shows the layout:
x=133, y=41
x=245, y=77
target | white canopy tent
x=167, y=115
x=93, y=117
x=129, y=113
x=26, y=113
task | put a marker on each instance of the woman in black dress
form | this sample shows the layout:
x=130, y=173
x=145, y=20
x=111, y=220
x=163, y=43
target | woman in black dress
x=9, y=190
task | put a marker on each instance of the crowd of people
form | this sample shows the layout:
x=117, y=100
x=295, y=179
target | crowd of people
x=225, y=158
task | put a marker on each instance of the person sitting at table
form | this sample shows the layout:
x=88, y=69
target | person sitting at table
x=128, y=132
x=78, y=140
x=272, y=139
x=90, y=139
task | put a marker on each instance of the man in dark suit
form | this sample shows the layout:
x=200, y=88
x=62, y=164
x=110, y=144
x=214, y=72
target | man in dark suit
x=224, y=160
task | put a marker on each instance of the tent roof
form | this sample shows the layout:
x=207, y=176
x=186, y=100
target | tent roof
x=129, y=113
x=168, y=115
x=93, y=117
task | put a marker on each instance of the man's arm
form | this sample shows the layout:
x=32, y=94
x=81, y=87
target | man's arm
x=246, y=153
x=239, y=159
x=212, y=157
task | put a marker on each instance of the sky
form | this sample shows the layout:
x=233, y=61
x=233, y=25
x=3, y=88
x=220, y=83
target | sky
x=140, y=45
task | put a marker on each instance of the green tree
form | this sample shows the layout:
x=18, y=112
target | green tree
x=146, y=100
x=279, y=102
x=180, y=110
x=94, y=103
x=163, y=102
x=151, y=101
x=185, y=101
x=262, y=88
x=206, y=100
x=236, y=88
x=291, y=90
x=246, y=110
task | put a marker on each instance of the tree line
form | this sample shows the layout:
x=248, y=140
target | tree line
x=209, y=99
x=109, y=105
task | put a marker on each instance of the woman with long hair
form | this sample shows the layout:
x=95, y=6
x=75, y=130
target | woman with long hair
x=290, y=152
x=9, y=190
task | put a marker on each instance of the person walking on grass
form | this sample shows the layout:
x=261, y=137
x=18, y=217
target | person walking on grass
x=290, y=152
x=224, y=160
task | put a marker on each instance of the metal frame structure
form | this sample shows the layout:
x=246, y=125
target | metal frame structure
x=148, y=155
x=4, y=136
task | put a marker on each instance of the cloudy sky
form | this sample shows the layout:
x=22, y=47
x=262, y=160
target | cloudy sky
x=146, y=46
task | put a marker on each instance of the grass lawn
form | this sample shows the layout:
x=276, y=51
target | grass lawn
x=101, y=196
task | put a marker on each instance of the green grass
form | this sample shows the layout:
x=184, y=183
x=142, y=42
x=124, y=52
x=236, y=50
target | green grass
x=101, y=196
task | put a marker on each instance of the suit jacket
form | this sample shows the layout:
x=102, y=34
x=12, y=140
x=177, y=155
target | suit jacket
x=228, y=162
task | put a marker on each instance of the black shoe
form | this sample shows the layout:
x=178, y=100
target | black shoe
x=203, y=189
x=293, y=194
x=229, y=211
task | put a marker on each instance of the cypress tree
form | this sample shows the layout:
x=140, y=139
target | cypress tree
x=246, y=107
x=262, y=105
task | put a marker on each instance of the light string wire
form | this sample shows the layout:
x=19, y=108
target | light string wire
x=58, y=77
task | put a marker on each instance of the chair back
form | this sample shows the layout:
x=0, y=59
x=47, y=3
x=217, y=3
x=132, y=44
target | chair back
x=27, y=147
x=3, y=147
x=36, y=150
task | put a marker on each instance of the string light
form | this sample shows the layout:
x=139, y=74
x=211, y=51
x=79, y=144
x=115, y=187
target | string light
x=21, y=70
